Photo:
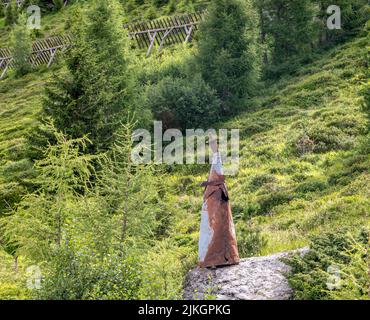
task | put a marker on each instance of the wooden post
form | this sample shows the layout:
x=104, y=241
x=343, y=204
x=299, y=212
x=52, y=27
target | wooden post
x=5, y=70
x=52, y=55
x=167, y=33
x=152, y=41
x=188, y=33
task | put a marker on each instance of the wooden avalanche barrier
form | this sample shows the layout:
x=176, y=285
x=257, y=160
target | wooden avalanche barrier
x=44, y=52
x=164, y=31
x=160, y=32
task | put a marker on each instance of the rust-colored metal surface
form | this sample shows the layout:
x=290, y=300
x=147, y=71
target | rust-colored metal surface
x=217, y=242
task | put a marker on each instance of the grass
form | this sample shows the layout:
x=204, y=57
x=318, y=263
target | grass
x=20, y=102
x=286, y=194
x=283, y=190
x=58, y=22
x=147, y=11
x=304, y=152
x=53, y=23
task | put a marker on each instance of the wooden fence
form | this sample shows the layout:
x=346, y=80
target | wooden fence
x=164, y=31
x=44, y=52
x=7, y=2
x=160, y=32
x=20, y=2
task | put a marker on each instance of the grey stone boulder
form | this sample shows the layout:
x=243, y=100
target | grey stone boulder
x=257, y=278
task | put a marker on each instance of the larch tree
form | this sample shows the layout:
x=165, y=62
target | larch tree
x=11, y=13
x=21, y=47
x=228, y=56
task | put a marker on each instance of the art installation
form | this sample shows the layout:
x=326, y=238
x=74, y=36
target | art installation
x=217, y=242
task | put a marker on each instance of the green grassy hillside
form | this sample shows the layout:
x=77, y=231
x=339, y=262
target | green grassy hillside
x=20, y=102
x=57, y=22
x=304, y=157
x=52, y=23
x=279, y=186
x=21, y=98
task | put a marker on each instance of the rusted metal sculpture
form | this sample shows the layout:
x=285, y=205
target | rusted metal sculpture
x=217, y=242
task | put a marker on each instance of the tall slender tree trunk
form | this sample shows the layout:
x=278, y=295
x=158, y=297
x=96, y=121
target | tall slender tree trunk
x=125, y=214
x=16, y=263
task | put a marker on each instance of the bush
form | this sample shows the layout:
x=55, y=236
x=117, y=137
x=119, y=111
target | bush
x=261, y=179
x=304, y=144
x=250, y=240
x=11, y=291
x=183, y=103
x=13, y=274
x=321, y=138
x=354, y=283
x=347, y=169
x=165, y=268
x=255, y=126
x=312, y=184
x=75, y=276
x=59, y=4
x=312, y=275
x=245, y=209
x=276, y=197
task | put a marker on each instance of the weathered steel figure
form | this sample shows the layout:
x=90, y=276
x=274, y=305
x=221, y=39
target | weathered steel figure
x=217, y=242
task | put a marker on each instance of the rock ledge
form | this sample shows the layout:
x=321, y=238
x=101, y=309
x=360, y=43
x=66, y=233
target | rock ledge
x=258, y=278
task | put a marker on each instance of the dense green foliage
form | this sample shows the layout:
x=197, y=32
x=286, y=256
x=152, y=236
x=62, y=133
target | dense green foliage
x=11, y=13
x=101, y=227
x=353, y=16
x=183, y=103
x=291, y=26
x=21, y=47
x=335, y=267
x=151, y=9
x=228, y=56
x=93, y=96
x=291, y=31
x=86, y=236
x=46, y=5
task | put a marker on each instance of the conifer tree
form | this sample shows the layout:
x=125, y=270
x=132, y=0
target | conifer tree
x=41, y=222
x=11, y=13
x=291, y=25
x=21, y=47
x=85, y=236
x=353, y=16
x=228, y=52
x=92, y=97
x=2, y=11
x=130, y=193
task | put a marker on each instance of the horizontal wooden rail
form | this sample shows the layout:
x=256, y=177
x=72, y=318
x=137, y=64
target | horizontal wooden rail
x=164, y=31
x=44, y=52
x=133, y=34
x=160, y=32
